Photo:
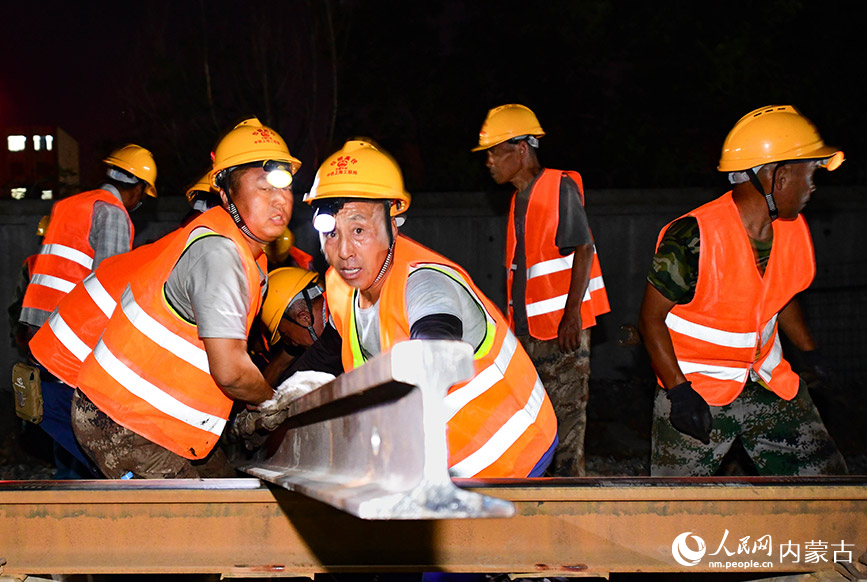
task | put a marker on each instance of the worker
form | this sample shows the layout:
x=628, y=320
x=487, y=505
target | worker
x=156, y=391
x=295, y=314
x=384, y=288
x=723, y=282
x=87, y=228
x=83, y=231
x=201, y=197
x=554, y=281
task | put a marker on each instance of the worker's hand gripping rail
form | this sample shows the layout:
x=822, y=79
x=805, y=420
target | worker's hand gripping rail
x=373, y=441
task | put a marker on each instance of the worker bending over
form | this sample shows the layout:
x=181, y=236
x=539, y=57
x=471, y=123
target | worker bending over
x=384, y=288
x=156, y=391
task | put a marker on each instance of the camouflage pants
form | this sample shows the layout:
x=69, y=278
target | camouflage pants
x=565, y=379
x=781, y=437
x=121, y=453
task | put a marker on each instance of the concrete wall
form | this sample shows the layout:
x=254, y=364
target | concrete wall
x=470, y=230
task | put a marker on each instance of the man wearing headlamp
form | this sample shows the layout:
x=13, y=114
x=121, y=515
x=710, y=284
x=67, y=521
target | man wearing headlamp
x=157, y=389
x=384, y=288
x=723, y=282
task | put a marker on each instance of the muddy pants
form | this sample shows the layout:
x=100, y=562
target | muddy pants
x=122, y=454
x=565, y=377
x=782, y=437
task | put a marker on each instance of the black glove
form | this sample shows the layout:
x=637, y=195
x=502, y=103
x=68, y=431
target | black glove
x=690, y=414
x=816, y=372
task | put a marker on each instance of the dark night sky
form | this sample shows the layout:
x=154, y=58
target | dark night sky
x=630, y=94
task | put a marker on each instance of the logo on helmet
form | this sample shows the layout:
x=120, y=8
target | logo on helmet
x=341, y=166
x=265, y=135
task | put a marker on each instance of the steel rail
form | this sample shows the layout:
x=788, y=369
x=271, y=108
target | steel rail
x=241, y=527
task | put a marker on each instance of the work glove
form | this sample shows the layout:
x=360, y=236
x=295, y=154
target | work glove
x=690, y=414
x=270, y=414
x=816, y=371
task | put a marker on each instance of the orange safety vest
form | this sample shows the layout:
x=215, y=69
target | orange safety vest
x=81, y=316
x=549, y=274
x=66, y=256
x=500, y=422
x=149, y=372
x=728, y=332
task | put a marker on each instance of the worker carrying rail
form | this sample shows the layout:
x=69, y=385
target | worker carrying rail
x=156, y=390
x=722, y=283
x=384, y=288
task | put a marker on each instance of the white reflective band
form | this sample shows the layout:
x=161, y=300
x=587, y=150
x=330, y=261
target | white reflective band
x=67, y=337
x=505, y=437
x=772, y=361
x=768, y=330
x=165, y=403
x=709, y=334
x=551, y=266
x=718, y=372
x=52, y=282
x=99, y=295
x=67, y=253
x=546, y=306
x=161, y=335
x=594, y=284
x=484, y=380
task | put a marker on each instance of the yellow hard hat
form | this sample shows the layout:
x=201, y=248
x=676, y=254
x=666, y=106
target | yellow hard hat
x=137, y=161
x=278, y=249
x=774, y=134
x=360, y=170
x=283, y=285
x=250, y=141
x=203, y=185
x=42, y=227
x=507, y=122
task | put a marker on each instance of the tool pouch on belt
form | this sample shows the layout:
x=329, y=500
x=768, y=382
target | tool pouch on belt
x=27, y=390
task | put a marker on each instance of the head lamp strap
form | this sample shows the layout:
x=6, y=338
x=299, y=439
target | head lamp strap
x=769, y=196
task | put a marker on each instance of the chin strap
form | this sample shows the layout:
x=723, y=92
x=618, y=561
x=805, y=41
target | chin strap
x=769, y=196
x=385, y=265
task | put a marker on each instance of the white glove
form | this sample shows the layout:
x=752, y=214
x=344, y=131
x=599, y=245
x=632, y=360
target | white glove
x=270, y=414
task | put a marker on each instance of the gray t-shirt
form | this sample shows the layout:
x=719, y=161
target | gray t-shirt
x=208, y=287
x=428, y=292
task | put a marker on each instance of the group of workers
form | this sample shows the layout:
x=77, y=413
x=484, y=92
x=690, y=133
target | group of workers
x=146, y=353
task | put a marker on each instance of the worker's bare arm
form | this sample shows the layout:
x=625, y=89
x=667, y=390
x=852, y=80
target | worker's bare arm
x=234, y=371
x=651, y=322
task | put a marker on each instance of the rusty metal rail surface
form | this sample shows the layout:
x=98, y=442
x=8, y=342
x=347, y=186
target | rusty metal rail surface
x=241, y=527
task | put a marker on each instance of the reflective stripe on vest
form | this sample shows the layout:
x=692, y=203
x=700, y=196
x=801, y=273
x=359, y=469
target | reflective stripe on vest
x=161, y=335
x=68, y=253
x=100, y=296
x=484, y=380
x=708, y=334
x=67, y=337
x=165, y=403
x=504, y=438
x=558, y=303
x=52, y=282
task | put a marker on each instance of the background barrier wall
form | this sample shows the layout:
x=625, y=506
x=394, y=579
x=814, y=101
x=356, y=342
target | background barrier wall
x=469, y=227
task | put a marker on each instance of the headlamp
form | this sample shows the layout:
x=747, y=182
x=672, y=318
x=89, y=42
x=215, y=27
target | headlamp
x=324, y=221
x=325, y=216
x=278, y=174
x=833, y=162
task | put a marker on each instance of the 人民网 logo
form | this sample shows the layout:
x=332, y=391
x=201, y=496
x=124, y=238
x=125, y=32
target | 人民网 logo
x=683, y=554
